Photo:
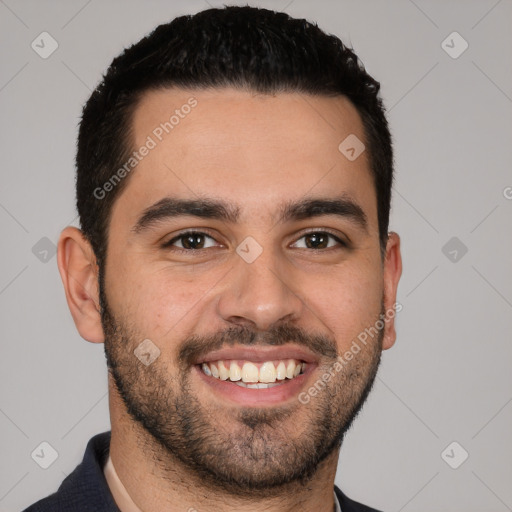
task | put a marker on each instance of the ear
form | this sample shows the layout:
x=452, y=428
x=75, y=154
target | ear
x=79, y=273
x=392, y=273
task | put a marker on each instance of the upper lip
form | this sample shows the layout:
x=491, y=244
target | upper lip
x=260, y=354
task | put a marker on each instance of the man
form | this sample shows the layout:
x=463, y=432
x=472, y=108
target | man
x=234, y=173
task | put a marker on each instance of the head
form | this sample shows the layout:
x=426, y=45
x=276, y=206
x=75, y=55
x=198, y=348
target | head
x=218, y=212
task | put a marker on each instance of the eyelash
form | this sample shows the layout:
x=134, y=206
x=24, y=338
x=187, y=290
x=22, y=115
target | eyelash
x=169, y=245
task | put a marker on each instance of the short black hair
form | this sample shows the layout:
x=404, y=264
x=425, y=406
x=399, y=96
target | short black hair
x=243, y=47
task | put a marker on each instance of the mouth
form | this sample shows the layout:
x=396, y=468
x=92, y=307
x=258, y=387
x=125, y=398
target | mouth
x=253, y=376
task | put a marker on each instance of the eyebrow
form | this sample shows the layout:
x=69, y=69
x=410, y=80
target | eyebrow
x=342, y=206
x=168, y=208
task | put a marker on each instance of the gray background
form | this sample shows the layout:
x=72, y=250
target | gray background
x=448, y=377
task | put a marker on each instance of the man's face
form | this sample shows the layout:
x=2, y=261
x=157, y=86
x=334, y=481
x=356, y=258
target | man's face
x=280, y=279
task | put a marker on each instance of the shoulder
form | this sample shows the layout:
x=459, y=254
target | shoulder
x=85, y=489
x=348, y=505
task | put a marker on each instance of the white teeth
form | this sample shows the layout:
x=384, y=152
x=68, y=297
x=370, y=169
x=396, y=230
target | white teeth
x=206, y=369
x=249, y=372
x=281, y=371
x=235, y=373
x=259, y=385
x=290, y=369
x=223, y=371
x=268, y=372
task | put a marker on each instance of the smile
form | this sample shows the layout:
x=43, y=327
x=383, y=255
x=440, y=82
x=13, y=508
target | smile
x=254, y=375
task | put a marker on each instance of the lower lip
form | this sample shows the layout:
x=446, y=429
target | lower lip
x=257, y=397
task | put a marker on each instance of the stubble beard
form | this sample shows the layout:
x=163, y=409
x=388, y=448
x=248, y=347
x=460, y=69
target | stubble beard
x=257, y=452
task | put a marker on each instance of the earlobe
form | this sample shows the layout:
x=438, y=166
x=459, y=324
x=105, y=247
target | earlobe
x=79, y=274
x=392, y=273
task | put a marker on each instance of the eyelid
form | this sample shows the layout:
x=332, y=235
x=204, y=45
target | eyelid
x=180, y=234
x=342, y=240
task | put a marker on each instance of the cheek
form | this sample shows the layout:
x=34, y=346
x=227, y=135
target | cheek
x=165, y=302
x=347, y=302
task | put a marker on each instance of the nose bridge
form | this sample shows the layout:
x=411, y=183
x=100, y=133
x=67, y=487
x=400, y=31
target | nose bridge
x=258, y=290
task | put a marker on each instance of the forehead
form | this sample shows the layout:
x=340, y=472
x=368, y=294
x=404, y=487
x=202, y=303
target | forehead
x=251, y=149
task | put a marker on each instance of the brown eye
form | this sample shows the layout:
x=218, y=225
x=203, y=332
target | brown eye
x=192, y=240
x=318, y=240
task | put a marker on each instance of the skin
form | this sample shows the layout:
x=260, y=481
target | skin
x=254, y=152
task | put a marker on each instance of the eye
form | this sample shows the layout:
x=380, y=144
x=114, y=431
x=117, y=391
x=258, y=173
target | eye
x=190, y=240
x=318, y=240
x=197, y=240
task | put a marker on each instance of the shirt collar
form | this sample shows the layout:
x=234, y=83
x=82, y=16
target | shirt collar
x=123, y=499
x=118, y=490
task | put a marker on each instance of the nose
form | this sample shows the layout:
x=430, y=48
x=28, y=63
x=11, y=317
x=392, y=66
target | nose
x=260, y=294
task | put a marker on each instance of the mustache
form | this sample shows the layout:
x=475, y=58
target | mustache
x=198, y=346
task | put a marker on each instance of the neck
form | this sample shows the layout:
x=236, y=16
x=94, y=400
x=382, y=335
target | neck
x=157, y=481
